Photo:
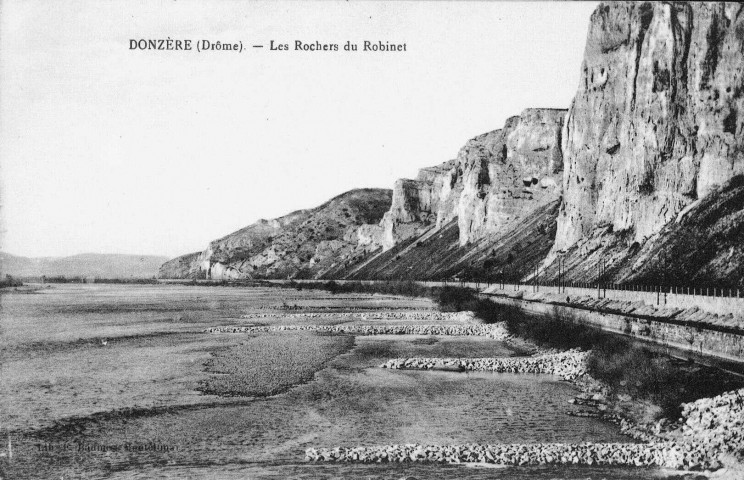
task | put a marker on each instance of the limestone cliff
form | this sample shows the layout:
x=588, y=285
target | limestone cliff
x=645, y=168
x=648, y=164
x=509, y=173
x=657, y=120
x=497, y=178
x=303, y=244
x=420, y=204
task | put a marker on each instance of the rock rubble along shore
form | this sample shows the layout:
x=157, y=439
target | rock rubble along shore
x=495, y=331
x=716, y=423
x=325, y=308
x=464, y=317
x=667, y=454
x=570, y=364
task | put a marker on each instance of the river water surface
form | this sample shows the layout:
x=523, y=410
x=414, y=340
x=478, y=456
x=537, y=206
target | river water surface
x=104, y=382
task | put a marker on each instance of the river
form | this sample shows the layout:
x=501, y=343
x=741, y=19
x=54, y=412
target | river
x=103, y=381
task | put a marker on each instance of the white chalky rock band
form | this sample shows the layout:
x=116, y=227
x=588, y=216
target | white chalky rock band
x=667, y=454
x=496, y=331
x=570, y=364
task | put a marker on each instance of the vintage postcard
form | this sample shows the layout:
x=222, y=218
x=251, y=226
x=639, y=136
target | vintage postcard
x=379, y=240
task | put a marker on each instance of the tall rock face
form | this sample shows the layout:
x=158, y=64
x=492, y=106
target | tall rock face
x=420, y=204
x=656, y=123
x=646, y=168
x=508, y=173
x=497, y=178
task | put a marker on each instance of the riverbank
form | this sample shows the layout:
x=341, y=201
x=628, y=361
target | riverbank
x=656, y=383
x=569, y=365
x=708, y=436
x=491, y=331
x=615, y=361
x=666, y=455
x=143, y=390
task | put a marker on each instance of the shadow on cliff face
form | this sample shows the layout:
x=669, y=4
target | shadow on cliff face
x=702, y=248
x=508, y=257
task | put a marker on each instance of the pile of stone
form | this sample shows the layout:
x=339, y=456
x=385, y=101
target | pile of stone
x=465, y=317
x=330, y=308
x=666, y=454
x=569, y=364
x=495, y=331
x=716, y=423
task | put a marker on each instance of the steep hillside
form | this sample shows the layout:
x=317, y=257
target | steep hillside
x=702, y=247
x=654, y=132
x=655, y=127
x=437, y=254
x=303, y=244
x=185, y=266
x=83, y=265
x=656, y=121
x=640, y=181
x=497, y=179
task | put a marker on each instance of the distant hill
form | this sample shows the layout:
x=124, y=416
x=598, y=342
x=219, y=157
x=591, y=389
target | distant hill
x=86, y=264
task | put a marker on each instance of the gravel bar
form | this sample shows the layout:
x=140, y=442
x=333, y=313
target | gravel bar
x=495, y=331
x=569, y=364
x=467, y=317
x=667, y=454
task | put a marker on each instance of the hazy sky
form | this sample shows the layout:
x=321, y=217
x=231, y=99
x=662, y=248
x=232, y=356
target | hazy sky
x=105, y=149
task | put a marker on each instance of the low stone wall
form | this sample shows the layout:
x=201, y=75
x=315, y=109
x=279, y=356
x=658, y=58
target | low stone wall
x=668, y=454
x=732, y=301
x=693, y=315
x=724, y=345
x=720, y=305
x=570, y=364
x=496, y=331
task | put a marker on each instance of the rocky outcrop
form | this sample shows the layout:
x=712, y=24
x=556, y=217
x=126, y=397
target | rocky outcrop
x=647, y=167
x=508, y=255
x=185, y=266
x=508, y=173
x=420, y=204
x=497, y=179
x=303, y=244
x=657, y=120
x=643, y=174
